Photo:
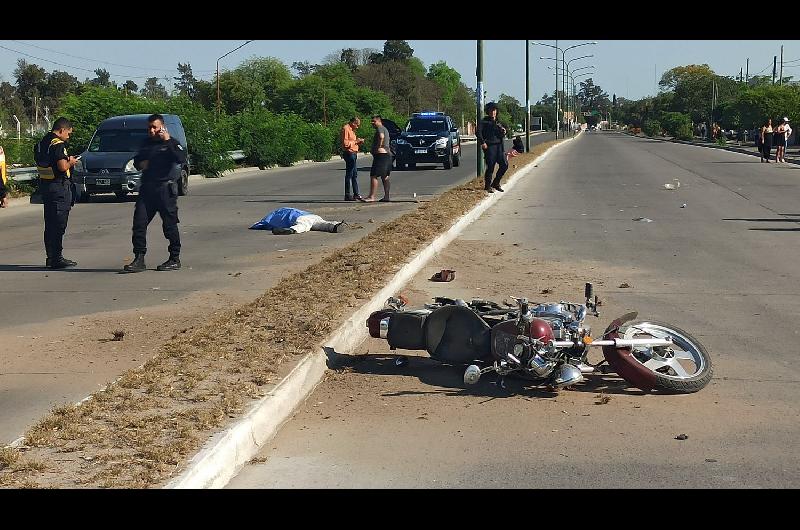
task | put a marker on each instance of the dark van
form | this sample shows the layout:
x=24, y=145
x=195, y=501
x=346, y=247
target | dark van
x=107, y=164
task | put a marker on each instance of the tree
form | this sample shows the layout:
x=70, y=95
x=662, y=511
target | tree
x=267, y=74
x=31, y=84
x=349, y=57
x=304, y=68
x=103, y=78
x=510, y=113
x=185, y=81
x=448, y=80
x=130, y=87
x=59, y=84
x=397, y=50
x=153, y=89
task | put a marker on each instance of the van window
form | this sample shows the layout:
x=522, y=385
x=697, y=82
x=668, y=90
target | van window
x=118, y=141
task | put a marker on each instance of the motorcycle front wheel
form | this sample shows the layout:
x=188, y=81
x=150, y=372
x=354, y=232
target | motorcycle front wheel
x=684, y=367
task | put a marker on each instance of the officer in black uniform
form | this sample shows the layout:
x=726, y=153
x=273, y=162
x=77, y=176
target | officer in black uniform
x=160, y=158
x=55, y=184
x=490, y=137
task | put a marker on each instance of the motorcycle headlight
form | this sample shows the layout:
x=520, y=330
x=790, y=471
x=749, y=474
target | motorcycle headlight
x=400, y=141
x=129, y=167
x=441, y=142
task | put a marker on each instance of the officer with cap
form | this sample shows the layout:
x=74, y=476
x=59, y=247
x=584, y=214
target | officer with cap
x=55, y=184
x=160, y=159
x=490, y=137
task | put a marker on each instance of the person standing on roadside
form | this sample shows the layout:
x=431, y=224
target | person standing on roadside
x=350, y=143
x=381, y=160
x=490, y=137
x=3, y=189
x=786, y=131
x=160, y=158
x=55, y=183
x=765, y=135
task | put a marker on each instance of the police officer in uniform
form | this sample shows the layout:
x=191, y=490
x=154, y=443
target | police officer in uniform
x=55, y=184
x=160, y=158
x=490, y=137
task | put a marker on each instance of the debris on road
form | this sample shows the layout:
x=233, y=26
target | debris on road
x=625, y=286
x=118, y=335
x=675, y=186
x=603, y=399
x=681, y=437
x=546, y=291
x=711, y=459
x=642, y=219
x=683, y=205
x=445, y=275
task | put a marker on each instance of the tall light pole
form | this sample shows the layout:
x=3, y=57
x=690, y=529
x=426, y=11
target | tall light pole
x=230, y=52
x=527, y=97
x=566, y=74
x=563, y=62
x=479, y=104
x=569, y=76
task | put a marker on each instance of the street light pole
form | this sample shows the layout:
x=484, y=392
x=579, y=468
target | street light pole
x=230, y=52
x=479, y=104
x=527, y=96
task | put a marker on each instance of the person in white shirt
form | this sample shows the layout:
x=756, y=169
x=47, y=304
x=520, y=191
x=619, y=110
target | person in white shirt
x=787, y=132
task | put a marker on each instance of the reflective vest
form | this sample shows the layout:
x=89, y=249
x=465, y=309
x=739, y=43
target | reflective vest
x=46, y=172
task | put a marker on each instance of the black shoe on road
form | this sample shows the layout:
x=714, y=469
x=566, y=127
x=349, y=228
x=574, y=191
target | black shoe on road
x=59, y=263
x=172, y=264
x=340, y=227
x=497, y=187
x=489, y=189
x=137, y=265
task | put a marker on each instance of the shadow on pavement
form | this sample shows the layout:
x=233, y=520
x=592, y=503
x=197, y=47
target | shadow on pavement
x=41, y=268
x=450, y=378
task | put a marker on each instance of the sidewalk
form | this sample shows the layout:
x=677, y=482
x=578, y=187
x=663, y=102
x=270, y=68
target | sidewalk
x=748, y=148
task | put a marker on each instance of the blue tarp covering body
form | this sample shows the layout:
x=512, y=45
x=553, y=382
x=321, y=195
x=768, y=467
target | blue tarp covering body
x=280, y=218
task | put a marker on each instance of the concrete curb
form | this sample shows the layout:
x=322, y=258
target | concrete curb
x=227, y=452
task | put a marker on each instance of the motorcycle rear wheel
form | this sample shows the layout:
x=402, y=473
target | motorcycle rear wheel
x=683, y=368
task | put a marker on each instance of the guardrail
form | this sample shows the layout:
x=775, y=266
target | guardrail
x=24, y=174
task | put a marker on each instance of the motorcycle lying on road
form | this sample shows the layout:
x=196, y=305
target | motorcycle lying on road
x=546, y=343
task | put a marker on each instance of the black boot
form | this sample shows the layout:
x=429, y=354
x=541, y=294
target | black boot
x=137, y=265
x=496, y=185
x=59, y=263
x=172, y=264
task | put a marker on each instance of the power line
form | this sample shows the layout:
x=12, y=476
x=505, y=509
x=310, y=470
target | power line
x=73, y=67
x=103, y=62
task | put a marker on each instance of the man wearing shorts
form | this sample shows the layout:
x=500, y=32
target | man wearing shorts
x=381, y=161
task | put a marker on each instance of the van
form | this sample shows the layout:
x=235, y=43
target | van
x=107, y=164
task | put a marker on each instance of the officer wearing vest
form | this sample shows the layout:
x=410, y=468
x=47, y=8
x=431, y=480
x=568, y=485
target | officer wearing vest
x=55, y=184
x=490, y=137
x=160, y=158
x=3, y=189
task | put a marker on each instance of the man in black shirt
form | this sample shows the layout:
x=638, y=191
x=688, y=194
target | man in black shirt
x=490, y=137
x=160, y=158
x=55, y=183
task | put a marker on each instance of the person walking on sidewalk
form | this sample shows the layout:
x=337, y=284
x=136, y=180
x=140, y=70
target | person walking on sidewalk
x=490, y=137
x=765, y=136
x=350, y=143
x=160, y=159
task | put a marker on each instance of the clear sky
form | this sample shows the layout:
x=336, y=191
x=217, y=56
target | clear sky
x=627, y=68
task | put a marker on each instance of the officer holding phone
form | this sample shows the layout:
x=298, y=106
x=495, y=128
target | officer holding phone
x=160, y=158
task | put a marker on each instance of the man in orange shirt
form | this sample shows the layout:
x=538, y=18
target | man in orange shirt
x=350, y=144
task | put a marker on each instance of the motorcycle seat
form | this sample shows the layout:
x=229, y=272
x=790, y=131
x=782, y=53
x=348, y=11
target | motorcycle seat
x=456, y=334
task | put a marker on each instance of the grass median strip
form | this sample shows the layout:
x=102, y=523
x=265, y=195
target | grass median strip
x=138, y=431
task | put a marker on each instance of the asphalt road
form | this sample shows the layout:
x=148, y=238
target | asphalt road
x=723, y=267
x=219, y=255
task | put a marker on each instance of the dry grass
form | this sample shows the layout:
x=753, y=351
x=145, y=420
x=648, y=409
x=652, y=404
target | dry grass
x=139, y=430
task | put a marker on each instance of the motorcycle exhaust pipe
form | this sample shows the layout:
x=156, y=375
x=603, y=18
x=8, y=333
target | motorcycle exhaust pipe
x=617, y=343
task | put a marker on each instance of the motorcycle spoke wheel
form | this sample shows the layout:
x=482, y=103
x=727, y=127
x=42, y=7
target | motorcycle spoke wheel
x=684, y=367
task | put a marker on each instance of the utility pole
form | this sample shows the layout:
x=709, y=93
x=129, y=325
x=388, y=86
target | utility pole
x=527, y=96
x=774, y=67
x=781, y=77
x=747, y=72
x=558, y=128
x=479, y=104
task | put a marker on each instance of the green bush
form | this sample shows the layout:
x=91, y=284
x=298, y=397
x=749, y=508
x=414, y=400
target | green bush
x=209, y=137
x=272, y=139
x=677, y=125
x=652, y=127
x=19, y=151
x=320, y=142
